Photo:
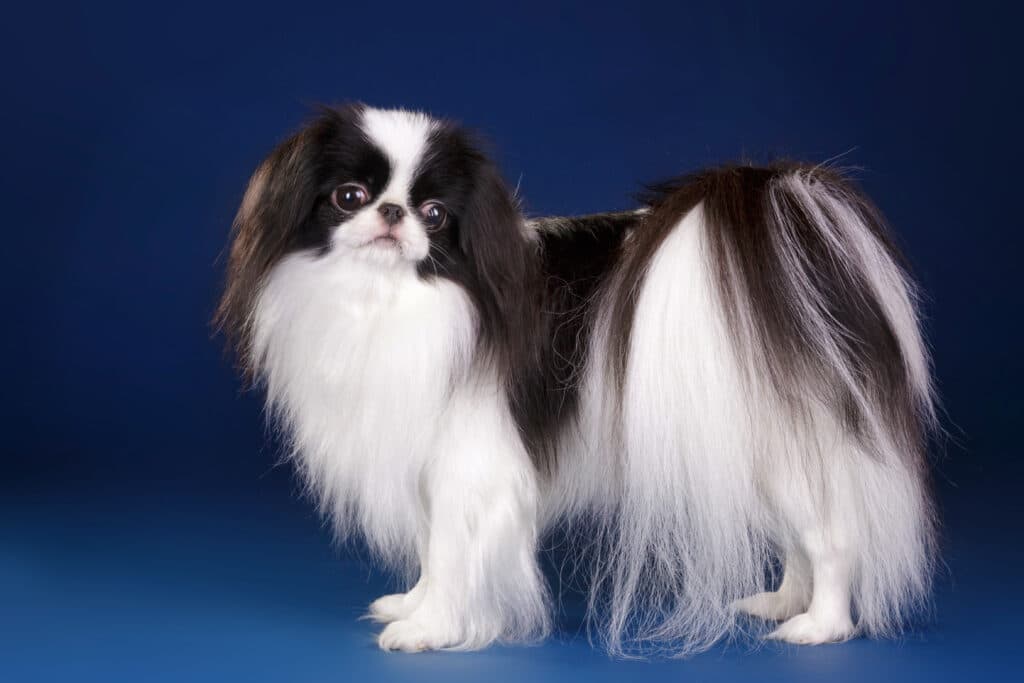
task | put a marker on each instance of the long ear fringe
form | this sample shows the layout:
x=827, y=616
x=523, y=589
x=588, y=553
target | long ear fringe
x=505, y=286
x=273, y=202
x=279, y=198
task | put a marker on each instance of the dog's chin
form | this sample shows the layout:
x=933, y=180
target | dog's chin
x=386, y=252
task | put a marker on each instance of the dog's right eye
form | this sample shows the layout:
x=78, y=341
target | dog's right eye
x=350, y=197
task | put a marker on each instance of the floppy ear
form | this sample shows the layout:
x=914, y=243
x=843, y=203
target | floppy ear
x=278, y=202
x=501, y=263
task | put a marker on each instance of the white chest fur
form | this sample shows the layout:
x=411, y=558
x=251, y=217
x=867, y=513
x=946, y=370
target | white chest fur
x=358, y=362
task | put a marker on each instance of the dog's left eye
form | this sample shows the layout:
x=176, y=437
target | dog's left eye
x=434, y=214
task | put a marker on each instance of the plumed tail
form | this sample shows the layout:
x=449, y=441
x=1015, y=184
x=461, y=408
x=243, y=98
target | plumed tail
x=774, y=383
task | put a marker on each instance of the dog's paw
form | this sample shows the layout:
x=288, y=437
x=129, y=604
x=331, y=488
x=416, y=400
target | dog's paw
x=411, y=635
x=776, y=606
x=390, y=608
x=805, y=629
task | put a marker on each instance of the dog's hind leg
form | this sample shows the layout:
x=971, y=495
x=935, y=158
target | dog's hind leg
x=792, y=597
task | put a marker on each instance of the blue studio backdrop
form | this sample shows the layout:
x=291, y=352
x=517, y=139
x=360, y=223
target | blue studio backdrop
x=146, y=531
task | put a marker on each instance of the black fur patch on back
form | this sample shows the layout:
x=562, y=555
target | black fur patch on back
x=576, y=256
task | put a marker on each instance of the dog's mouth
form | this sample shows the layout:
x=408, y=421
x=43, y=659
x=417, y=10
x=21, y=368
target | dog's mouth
x=387, y=241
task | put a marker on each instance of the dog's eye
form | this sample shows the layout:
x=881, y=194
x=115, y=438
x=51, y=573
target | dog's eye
x=350, y=197
x=434, y=214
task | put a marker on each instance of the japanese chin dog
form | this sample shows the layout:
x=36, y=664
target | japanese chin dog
x=725, y=392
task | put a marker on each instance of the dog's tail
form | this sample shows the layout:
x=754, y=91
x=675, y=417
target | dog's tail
x=765, y=340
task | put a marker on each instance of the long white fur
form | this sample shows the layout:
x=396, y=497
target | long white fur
x=403, y=435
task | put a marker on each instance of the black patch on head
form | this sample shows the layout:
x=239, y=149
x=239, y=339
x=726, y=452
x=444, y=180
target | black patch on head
x=344, y=154
x=455, y=173
x=287, y=208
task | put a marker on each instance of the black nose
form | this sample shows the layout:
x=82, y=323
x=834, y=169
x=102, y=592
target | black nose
x=392, y=213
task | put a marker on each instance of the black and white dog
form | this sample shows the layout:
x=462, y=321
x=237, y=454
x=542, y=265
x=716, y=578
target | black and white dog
x=726, y=382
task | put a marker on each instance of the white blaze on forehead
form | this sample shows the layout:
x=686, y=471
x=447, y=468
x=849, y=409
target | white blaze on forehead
x=402, y=136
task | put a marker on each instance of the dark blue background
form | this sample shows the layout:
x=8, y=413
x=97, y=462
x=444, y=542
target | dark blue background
x=145, y=533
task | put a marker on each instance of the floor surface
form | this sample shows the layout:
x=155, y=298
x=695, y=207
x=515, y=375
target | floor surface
x=115, y=587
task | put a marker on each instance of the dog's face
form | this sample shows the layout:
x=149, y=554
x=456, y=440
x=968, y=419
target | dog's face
x=373, y=199
x=400, y=191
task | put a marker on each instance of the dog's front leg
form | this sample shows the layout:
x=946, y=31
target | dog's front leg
x=480, y=579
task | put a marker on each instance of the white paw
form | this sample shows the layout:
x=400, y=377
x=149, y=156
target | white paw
x=776, y=606
x=391, y=608
x=805, y=629
x=410, y=635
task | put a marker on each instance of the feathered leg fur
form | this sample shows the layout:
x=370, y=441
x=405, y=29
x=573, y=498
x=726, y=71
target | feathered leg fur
x=480, y=581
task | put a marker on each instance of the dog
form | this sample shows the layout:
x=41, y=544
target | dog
x=728, y=388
